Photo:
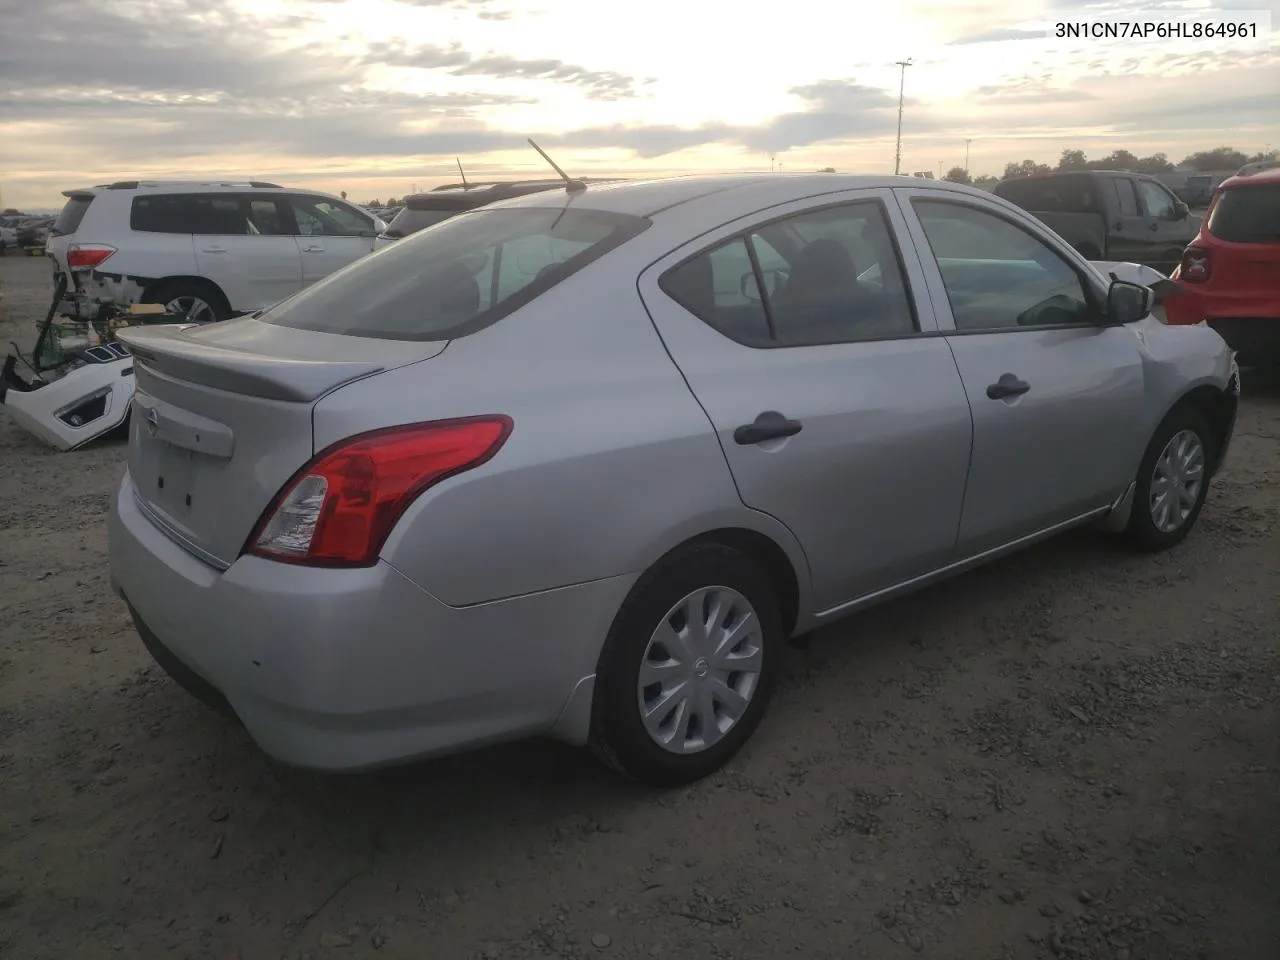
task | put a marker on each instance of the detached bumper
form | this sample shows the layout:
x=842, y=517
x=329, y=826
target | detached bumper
x=70, y=411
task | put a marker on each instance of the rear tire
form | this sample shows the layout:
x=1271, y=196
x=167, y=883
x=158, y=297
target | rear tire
x=1172, y=481
x=203, y=298
x=740, y=607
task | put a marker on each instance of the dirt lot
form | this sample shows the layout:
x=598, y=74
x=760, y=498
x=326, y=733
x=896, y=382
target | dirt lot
x=1072, y=754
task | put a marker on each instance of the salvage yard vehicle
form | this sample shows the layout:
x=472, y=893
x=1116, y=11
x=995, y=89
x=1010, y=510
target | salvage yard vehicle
x=1230, y=274
x=206, y=250
x=577, y=464
x=1108, y=215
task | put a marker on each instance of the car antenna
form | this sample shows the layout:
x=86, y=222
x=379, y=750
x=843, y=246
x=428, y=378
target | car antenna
x=462, y=173
x=570, y=184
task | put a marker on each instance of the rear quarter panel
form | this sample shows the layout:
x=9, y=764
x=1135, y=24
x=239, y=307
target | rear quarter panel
x=611, y=462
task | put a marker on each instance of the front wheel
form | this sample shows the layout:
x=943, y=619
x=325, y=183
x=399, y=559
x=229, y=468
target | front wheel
x=688, y=667
x=200, y=302
x=1172, y=482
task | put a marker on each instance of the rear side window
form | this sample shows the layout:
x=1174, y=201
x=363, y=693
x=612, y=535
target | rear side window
x=210, y=214
x=1247, y=215
x=73, y=212
x=466, y=273
x=411, y=221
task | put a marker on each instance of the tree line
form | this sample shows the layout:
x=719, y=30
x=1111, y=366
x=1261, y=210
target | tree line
x=1219, y=158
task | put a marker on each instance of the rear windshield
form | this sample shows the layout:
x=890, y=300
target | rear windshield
x=73, y=212
x=411, y=221
x=1247, y=214
x=460, y=276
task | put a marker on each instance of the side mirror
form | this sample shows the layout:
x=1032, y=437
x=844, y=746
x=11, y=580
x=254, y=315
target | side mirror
x=1183, y=210
x=1128, y=302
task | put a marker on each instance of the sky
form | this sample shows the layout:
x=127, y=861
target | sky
x=377, y=97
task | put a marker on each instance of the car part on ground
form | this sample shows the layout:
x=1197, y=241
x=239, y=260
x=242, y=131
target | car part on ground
x=1229, y=276
x=78, y=383
x=575, y=464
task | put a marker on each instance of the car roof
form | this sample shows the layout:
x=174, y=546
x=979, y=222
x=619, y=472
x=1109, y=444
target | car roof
x=645, y=198
x=1251, y=179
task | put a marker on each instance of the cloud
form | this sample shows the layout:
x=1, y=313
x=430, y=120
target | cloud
x=600, y=84
x=1000, y=36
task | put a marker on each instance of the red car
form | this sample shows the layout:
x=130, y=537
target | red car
x=1230, y=274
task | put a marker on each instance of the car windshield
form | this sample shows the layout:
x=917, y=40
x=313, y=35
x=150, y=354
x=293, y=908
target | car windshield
x=457, y=277
x=1249, y=214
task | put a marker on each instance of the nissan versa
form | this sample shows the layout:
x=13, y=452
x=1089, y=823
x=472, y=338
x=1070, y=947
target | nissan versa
x=577, y=464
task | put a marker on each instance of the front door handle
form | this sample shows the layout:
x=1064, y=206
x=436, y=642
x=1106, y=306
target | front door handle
x=313, y=249
x=1007, y=386
x=213, y=250
x=770, y=425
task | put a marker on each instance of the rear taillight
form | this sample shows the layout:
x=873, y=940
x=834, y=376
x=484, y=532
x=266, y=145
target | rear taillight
x=88, y=256
x=339, y=509
x=1195, y=266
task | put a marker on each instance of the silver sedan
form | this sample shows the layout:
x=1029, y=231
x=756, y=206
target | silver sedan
x=578, y=464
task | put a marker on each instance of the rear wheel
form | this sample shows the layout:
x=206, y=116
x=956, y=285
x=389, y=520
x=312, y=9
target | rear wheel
x=201, y=302
x=1172, y=482
x=688, y=667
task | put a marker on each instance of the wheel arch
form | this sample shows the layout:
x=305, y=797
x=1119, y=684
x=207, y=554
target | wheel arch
x=153, y=287
x=1218, y=407
x=765, y=540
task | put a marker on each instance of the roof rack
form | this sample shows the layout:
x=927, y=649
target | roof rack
x=135, y=184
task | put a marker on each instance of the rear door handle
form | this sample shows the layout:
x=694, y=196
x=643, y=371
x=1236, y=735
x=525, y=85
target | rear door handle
x=1007, y=386
x=769, y=425
x=213, y=250
x=313, y=249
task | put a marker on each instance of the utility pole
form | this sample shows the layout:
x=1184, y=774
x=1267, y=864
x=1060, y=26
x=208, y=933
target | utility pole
x=902, y=84
x=967, y=141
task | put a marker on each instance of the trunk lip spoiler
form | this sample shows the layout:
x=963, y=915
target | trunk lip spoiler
x=165, y=351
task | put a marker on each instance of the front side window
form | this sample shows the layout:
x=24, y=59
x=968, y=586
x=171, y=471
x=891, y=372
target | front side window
x=1000, y=277
x=318, y=217
x=450, y=280
x=827, y=276
x=1157, y=200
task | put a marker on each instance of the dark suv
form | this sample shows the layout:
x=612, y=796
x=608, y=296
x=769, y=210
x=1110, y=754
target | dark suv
x=424, y=209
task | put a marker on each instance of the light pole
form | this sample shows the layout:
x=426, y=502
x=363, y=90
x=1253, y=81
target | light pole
x=967, y=141
x=902, y=84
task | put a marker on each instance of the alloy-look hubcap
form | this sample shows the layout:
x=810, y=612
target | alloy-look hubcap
x=700, y=670
x=1176, y=481
x=197, y=310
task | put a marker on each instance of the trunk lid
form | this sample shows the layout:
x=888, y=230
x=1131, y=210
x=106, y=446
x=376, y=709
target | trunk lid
x=222, y=419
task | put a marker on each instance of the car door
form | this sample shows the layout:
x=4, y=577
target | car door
x=1128, y=238
x=1056, y=394
x=1167, y=225
x=839, y=410
x=243, y=245
x=330, y=235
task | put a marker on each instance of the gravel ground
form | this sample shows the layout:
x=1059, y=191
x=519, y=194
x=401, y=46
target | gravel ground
x=1072, y=754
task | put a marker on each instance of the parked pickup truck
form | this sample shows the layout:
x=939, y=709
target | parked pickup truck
x=1109, y=215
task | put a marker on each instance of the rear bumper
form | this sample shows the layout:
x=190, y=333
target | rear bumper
x=344, y=670
x=1249, y=325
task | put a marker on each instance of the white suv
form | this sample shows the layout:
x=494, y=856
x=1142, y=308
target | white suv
x=209, y=250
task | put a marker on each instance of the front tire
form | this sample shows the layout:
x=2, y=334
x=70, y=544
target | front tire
x=688, y=667
x=1172, y=482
